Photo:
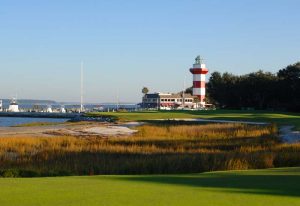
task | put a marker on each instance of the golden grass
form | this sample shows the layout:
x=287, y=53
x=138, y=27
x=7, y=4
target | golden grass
x=154, y=149
x=215, y=131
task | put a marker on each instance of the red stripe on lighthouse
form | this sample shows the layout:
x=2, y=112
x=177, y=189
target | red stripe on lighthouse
x=198, y=70
x=196, y=84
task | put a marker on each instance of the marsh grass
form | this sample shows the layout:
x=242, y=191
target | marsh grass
x=153, y=150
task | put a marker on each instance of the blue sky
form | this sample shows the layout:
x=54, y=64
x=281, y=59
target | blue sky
x=126, y=45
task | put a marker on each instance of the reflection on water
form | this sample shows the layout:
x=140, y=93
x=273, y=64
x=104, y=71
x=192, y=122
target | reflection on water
x=12, y=121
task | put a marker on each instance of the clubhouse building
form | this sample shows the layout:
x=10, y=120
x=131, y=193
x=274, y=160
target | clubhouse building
x=167, y=101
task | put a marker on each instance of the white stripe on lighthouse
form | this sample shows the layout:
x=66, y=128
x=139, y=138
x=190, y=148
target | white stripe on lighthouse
x=202, y=91
x=196, y=91
x=197, y=77
x=202, y=77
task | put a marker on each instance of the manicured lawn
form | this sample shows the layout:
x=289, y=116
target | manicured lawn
x=255, y=187
x=262, y=116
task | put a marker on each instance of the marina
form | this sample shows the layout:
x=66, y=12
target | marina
x=47, y=106
x=13, y=112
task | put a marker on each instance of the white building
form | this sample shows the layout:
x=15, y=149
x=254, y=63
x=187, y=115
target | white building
x=166, y=101
x=13, y=106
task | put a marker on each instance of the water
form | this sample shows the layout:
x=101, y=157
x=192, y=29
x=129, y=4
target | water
x=13, y=121
x=89, y=107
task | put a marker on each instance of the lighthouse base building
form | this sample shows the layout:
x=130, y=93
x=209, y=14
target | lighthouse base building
x=169, y=101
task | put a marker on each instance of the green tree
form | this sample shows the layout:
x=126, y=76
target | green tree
x=145, y=90
x=289, y=90
x=196, y=100
x=189, y=90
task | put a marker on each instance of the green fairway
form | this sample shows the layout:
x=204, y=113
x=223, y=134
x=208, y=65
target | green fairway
x=262, y=116
x=255, y=187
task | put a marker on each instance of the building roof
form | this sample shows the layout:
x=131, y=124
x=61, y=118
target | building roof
x=153, y=95
x=169, y=95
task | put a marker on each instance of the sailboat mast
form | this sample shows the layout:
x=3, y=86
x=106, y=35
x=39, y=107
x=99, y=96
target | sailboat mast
x=183, y=93
x=118, y=100
x=81, y=88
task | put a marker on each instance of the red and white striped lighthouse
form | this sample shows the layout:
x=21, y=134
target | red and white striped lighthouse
x=199, y=71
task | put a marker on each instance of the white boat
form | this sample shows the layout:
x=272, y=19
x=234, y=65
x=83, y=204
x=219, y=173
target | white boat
x=62, y=109
x=49, y=109
x=1, y=106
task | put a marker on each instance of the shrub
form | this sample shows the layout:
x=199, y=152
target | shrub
x=10, y=173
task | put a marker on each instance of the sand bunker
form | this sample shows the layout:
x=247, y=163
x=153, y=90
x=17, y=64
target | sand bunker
x=110, y=130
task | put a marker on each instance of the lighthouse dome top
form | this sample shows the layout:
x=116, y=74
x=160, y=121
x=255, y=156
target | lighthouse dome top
x=198, y=60
x=199, y=63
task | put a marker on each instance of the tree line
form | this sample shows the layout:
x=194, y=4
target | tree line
x=257, y=90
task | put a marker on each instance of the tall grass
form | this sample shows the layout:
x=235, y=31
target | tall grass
x=154, y=149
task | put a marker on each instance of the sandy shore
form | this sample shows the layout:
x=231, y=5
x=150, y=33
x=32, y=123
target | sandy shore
x=70, y=129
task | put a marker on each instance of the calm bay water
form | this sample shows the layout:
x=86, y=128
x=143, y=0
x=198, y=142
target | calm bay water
x=28, y=106
x=13, y=121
